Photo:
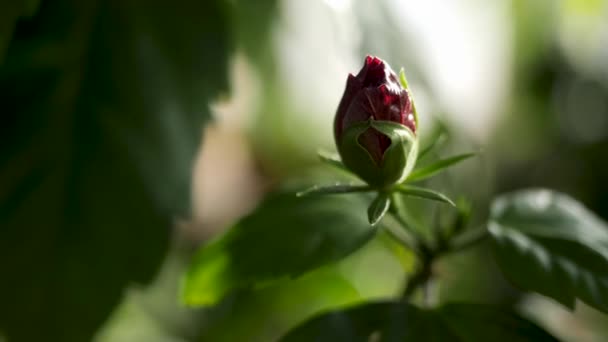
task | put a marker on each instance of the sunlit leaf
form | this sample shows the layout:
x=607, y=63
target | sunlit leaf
x=285, y=237
x=548, y=242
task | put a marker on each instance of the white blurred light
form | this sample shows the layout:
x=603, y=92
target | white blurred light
x=465, y=49
x=462, y=46
x=583, y=34
x=316, y=48
x=338, y=5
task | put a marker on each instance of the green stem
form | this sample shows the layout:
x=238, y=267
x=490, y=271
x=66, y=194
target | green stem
x=395, y=210
x=419, y=278
x=401, y=237
x=466, y=240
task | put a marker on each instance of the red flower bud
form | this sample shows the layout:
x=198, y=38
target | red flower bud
x=375, y=94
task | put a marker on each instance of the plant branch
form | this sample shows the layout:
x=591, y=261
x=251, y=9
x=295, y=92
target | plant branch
x=466, y=240
x=418, y=279
x=426, y=251
x=402, y=237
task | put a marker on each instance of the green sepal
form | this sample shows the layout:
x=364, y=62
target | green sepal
x=378, y=208
x=398, y=160
x=431, y=170
x=401, y=156
x=404, y=84
x=417, y=191
x=354, y=156
x=332, y=159
x=333, y=189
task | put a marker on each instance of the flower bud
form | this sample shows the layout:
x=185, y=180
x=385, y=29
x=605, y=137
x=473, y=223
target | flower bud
x=375, y=125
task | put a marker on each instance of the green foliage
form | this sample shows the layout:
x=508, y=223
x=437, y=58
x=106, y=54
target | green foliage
x=103, y=104
x=549, y=243
x=394, y=321
x=10, y=12
x=285, y=237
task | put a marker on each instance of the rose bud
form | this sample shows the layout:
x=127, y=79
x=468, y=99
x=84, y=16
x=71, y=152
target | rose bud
x=375, y=125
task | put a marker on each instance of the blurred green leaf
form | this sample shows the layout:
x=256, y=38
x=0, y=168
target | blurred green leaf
x=425, y=172
x=392, y=321
x=103, y=104
x=548, y=242
x=378, y=208
x=285, y=237
x=375, y=271
x=10, y=12
x=263, y=314
x=416, y=191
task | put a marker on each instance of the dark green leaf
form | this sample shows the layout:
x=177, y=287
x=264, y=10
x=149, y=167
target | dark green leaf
x=103, y=104
x=285, y=237
x=378, y=208
x=428, y=171
x=10, y=12
x=548, y=242
x=386, y=321
x=417, y=191
x=333, y=189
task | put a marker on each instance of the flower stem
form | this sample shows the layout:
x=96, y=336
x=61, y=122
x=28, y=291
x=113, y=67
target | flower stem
x=428, y=253
x=466, y=240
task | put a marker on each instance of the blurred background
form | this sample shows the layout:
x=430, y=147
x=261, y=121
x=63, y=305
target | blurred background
x=133, y=131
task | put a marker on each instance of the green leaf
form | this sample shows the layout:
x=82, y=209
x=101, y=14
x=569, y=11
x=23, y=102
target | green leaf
x=424, y=172
x=417, y=191
x=103, y=105
x=333, y=189
x=378, y=208
x=371, y=272
x=246, y=315
x=548, y=242
x=332, y=159
x=10, y=12
x=285, y=237
x=393, y=321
